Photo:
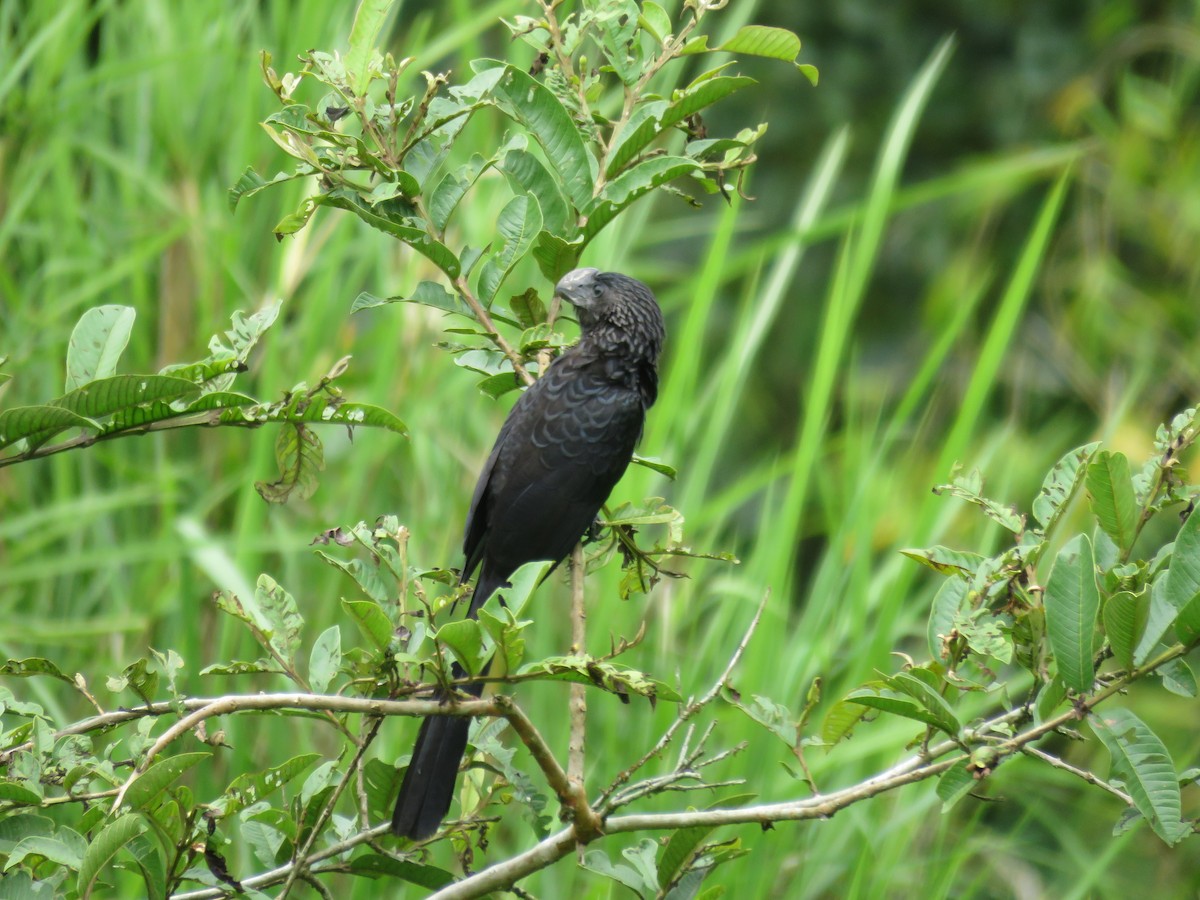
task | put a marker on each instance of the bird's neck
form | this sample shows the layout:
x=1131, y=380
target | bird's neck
x=628, y=360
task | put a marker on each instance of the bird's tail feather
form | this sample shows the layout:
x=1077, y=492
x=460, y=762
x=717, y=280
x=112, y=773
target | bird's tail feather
x=428, y=785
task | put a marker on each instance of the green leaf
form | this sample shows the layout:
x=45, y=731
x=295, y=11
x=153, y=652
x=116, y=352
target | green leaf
x=1160, y=618
x=261, y=666
x=678, y=851
x=639, y=132
x=704, y=91
x=464, y=639
x=500, y=384
x=1142, y=763
x=366, y=576
x=66, y=847
x=633, y=878
x=655, y=20
x=1125, y=616
x=105, y=396
x=146, y=788
x=251, y=183
x=632, y=184
x=616, y=679
x=37, y=424
x=529, y=175
x=877, y=696
x=839, y=722
x=1049, y=698
x=300, y=456
x=945, y=561
x=427, y=293
x=775, y=717
x=617, y=22
x=655, y=465
x=97, y=343
x=34, y=665
x=532, y=104
x=281, y=619
x=148, y=857
x=1072, y=601
x=18, y=793
x=761, y=40
x=445, y=198
x=140, y=416
x=1178, y=678
x=1182, y=589
x=252, y=787
x=506, y=633
x=969, y=488
x=373, y=865
x=1113, y=503
x=944, y=613
x=324, y=659
x=371, y=620
x=528, y=308
x=368, y=22
x=141, y=677
x=554, y=256
x=519, y=223
x=925, y=694
x=1061, y=484
x=417, y=238
x=955, y=783
x=105, y=846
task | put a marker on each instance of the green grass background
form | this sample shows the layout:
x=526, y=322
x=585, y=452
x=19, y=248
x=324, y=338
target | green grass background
x=900, y=298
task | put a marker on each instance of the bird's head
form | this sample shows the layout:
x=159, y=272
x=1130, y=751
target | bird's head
x=612, y=302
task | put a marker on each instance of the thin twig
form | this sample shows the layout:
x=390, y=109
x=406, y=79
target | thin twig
x=1079, y=773
x=299, y=870
x=577, y=743
x=693, y=707
x=468, y=296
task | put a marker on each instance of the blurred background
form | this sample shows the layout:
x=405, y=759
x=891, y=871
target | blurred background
x=836, y=345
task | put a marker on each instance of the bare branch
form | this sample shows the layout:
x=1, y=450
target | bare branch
x=1079, y=773
x=577, y=743
x=692, y=707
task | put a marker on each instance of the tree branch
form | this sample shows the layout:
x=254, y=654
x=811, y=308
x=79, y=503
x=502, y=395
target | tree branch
x=577, y=743
x=693, y=707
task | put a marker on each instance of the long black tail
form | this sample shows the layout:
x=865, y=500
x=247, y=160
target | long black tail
x=428, y=785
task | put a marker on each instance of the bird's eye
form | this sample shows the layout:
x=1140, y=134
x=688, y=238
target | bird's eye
x=597, y=290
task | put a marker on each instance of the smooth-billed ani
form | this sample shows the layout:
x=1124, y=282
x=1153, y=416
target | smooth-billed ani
x=561, y=450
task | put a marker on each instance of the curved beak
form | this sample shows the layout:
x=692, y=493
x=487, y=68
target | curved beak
x=576, y=286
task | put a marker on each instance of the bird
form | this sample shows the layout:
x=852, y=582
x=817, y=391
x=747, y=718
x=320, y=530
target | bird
x=563, y=447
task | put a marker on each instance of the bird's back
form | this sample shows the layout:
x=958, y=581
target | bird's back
x=563, y=447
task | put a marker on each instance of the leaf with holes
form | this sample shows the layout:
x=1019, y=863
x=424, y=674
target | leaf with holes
x=97, y=342
x=300, y=456
x=1061, y=484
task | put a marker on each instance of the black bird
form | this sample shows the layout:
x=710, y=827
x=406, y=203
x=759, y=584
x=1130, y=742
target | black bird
x=563, y=447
